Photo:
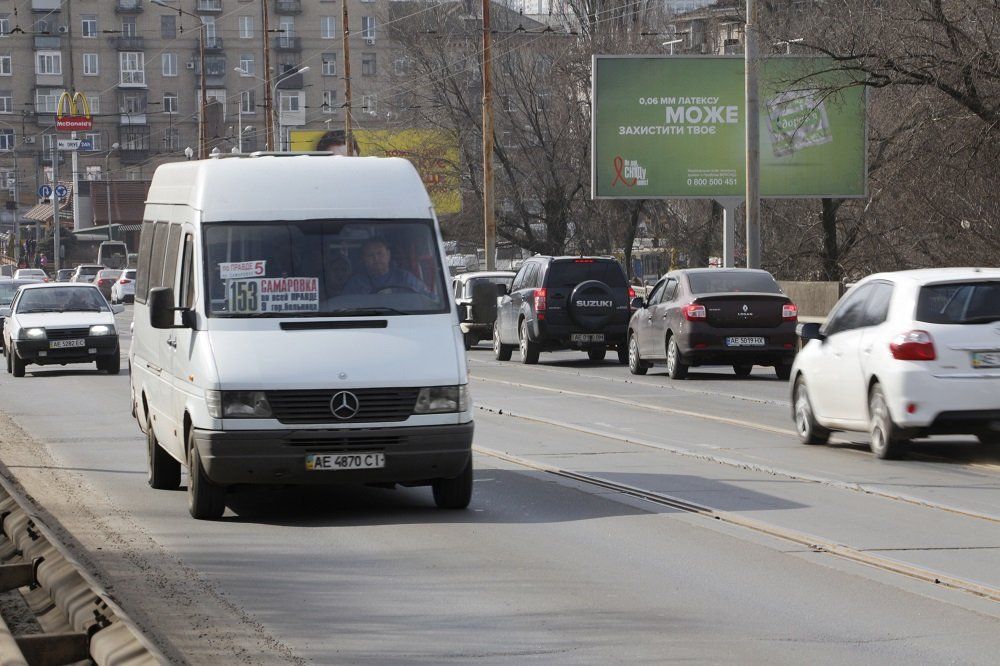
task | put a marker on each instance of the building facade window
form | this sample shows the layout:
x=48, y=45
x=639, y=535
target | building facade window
x=94, y=102
x=172, y=139
x=6, y=101
x=248, y=102
x=368, y=27
x=329, y=64
x=129, y=28
x=247, y=66
x=328, y=27
x=132, y=68
x=132, y=102
x=170, y=102
x=4, y=25
x=90, y=64
x=133, y=138
x=46, y=99
x=246, y=27
x=169, y=62
x=369, y=104
x=168, y=27
x=330, y=101
x=95, y=140
x=88, y=26
x=368, y=64
x=289, y=101
x=6, y=65
x=48, y=63
x=6, y=139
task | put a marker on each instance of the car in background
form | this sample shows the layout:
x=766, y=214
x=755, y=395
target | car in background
x=8, y=288
x=36, y=274
x=713, y=316
x=86, y=272
x=904, y=355
x=123, y=290
x=105, y=280
x=564, y=303
x=476, y=295
x=57, y=324
x=64, y=275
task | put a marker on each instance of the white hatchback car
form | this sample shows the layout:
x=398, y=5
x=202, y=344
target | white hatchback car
x=904, y=355
x=123, y=290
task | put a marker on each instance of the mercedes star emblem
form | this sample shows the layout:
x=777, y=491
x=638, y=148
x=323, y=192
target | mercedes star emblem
x=344, y=405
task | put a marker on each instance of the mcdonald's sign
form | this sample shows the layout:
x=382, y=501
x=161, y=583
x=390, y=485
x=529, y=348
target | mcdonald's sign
x=73, y=113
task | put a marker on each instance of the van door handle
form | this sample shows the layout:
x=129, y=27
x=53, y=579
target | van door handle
x=172, y=342
x=867, y=350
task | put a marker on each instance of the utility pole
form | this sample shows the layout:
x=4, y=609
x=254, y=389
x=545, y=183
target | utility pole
x=347, y=81
x=17, y=206
x=489, y=221
x=268, y=102
x=751, y=65
x=55, y=205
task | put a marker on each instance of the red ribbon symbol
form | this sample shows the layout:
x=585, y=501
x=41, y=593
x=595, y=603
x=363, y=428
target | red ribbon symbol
x=619, y=176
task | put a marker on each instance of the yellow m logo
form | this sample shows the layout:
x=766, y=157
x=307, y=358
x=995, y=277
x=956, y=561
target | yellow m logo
x=75, y=105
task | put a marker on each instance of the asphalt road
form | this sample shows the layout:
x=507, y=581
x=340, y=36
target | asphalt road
x=542, y=568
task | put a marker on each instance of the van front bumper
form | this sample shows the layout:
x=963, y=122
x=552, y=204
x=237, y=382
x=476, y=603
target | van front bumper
x=413, y=455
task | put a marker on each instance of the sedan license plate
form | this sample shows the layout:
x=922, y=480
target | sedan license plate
x=67, y=344
x=586, y=337
x=745, y=342
x=986, y=359
x=319, y=462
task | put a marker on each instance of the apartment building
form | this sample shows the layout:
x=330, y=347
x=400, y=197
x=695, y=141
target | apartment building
x=139, y=65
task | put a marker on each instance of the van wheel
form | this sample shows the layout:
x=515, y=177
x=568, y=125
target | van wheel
x=17, y=366
x=742, y=370
x=454, y=493
x=162, y=471
x=529, y=349
x=808, y=430
x=676, y=369
x=206, y=501
x=597, y=353
x=501, y=352
x=886, y=441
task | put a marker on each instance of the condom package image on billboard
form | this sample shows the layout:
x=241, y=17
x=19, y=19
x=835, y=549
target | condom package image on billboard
x=673, y=127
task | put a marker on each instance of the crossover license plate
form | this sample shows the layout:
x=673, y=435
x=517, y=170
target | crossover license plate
x=318, y=462
x=745, y=342
x=586, y=337
x=986, y=359
x=67, y=344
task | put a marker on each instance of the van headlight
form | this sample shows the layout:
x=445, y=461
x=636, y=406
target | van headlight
x=442, y=399
x=102, y=329
x=33, y=333
x=245, y=405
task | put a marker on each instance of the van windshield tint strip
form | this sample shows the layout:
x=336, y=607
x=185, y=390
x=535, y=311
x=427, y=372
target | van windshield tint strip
x=324, y=268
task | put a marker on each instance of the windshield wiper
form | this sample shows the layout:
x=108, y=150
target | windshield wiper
x=81, y=310
x=40, y=310
x=362, y=312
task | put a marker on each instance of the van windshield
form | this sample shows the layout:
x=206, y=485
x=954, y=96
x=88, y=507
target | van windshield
x=324, y=268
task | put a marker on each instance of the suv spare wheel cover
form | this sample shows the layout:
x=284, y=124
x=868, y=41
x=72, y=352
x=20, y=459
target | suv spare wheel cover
x=592, y=304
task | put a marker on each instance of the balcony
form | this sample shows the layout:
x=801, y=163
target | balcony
x=287, y=7
x=293, y=82
x=47, y=43
x=46, y=5
x=213, y=44
x=128, y=7
x=209, y=6
x=287, y=44
x=130, y=43
x=133, y=155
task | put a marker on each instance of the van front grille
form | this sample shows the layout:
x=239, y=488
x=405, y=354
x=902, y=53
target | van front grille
x=373, y=405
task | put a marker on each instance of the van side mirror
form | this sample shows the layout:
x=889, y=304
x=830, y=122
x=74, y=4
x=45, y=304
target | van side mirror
x=637, y=303
x=4, y=312
x=161, y=307
x=502, y=290
x=809, y=331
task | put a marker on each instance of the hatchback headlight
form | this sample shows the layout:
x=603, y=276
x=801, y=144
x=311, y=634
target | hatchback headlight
x=245, y=405
x=102, y=329
x=34, y=333
x=442, y=399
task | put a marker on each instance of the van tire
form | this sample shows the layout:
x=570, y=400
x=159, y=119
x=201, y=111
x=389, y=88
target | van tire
x=17, y=366
x=162, y=471
x=454, y=493
x=206, y=501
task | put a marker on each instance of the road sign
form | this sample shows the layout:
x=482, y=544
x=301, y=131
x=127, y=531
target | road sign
x=45, y=191
x=68, y=144
x=86, y=144
x=61, y=191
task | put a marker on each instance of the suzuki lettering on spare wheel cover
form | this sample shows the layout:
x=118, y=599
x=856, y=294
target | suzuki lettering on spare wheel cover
x=344, y=405
x=592, y=304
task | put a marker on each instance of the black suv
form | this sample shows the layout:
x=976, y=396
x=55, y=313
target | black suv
x=564, y=303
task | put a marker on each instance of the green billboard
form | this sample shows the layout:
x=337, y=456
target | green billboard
x=673, y=127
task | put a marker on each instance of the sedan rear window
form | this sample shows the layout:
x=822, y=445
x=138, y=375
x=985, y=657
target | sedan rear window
x=725, y=282
x=572, y=273
x=959, y=303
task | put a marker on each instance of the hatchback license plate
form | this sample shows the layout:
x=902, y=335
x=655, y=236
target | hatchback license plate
x=986, y=359
x=745, y=342
x=319, y=462
x=67, y=344
x=586, y=337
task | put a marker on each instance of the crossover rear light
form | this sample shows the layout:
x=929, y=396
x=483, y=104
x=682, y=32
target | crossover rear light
x=913, y=346
x=124, y=281
x=789, y=312
x=694, y=312
x=540, y=303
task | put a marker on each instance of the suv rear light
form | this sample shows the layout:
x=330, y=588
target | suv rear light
x=540, y=303
x=789, y=312
x=583, y=261
x=913, y=346
x=694, y=312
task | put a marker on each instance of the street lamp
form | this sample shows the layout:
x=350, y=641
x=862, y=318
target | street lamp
x=202, y=125
x=287, y=75
x=188, y=153
x=107, y=187
x=671, y=44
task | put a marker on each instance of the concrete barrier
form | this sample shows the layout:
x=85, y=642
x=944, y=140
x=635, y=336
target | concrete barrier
x=814, y=299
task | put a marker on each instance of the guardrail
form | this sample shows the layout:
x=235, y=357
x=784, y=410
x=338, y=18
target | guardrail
x=79, y=619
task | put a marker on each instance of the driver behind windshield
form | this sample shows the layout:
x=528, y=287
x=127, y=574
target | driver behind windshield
x=378, y=274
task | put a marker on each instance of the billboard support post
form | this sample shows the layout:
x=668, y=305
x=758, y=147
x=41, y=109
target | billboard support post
x=753, y=138
x=489, y=219
x=729, y=208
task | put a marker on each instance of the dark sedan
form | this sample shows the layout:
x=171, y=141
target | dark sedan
x=714, y=316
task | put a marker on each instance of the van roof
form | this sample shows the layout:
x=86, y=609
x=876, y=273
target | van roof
x=293, y=187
